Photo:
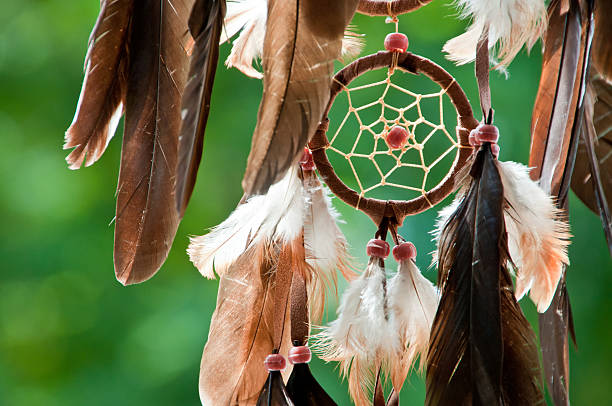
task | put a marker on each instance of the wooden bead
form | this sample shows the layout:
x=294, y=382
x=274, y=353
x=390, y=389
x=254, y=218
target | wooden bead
x=378, y=248
x=300, y=355
x=397, y=137
x=306, y=161
x=396, y=42
x=275, y=362
x=485, y=133
x=404, y=251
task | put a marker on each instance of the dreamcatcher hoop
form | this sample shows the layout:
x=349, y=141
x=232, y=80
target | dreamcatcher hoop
x=389, y=8
x=378, y=209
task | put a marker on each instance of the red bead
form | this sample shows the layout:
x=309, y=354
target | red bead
x=495, y=150
x=485, y=133
x=378, y=248
x=396, y=42
x=397, y=137
x=275, y=362
x=300, y=355
x=472, y=139
x=404, y=251
x=306, y=161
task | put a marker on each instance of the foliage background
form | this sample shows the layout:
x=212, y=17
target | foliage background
x=70, y=334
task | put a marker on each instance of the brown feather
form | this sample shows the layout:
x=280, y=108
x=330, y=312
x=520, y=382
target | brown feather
x=242, y=330
x=146, y=219
x=592, y=178
x=482, y=349
x=205, y=24
x=555, y=125
x=303, y=38
x=601, y=51
x=103, y=93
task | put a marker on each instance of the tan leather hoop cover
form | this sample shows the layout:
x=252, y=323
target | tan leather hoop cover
x=396, y=209
x=389, y=8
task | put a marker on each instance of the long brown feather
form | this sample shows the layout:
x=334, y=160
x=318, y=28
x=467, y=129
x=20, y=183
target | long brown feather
x=592, y=178
x=103, y=93
x=146, y=219
x=482, y=349
x=555, y=126
x=303, y=38
x=241, y=331
x=205, y=24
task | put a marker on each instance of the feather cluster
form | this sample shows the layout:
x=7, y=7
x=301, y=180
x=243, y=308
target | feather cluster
x=380, y=326
x=538, y=236
x=482, y=349
x=359, y=338
x=249, y=18
x=510, y=24
x=290, y=207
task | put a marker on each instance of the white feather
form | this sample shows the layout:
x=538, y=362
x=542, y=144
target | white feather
x=361, y=327
x=325, y=245
x=278, y=215
x=413, y=302
x=537, y=236
x=360, y=338
x=249, y=17
x=512, y=24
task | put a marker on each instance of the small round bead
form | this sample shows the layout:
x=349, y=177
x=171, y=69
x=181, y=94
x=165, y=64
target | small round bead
x=300, y=355
x=275, y=362
x=306, y=161
x=486, y=133
x=404, y=251
x=396, y=42
x=495, y=150
x=378, y=248
x=397, y=137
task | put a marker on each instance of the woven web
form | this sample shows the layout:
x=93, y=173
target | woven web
x=422, y=131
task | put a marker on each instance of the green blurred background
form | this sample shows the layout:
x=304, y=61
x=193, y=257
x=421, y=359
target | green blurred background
x=71, y=334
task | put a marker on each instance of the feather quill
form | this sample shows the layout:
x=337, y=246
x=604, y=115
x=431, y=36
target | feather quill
x=511, y=24
x=102, y=97
x=249, y=18
x=302, y=40
x=274, y=392
x=205, y=24
x=413, y=301
x=304, y=390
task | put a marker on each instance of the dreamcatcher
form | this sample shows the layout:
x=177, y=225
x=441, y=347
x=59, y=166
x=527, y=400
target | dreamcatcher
x=278, y=253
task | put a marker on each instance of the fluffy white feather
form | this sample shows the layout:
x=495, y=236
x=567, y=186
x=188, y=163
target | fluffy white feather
x=324, y=243
x=359, y=338
x=278, y=215
x=512, y=24
x=413, y=302
x=538, y=237
x=249, y=17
